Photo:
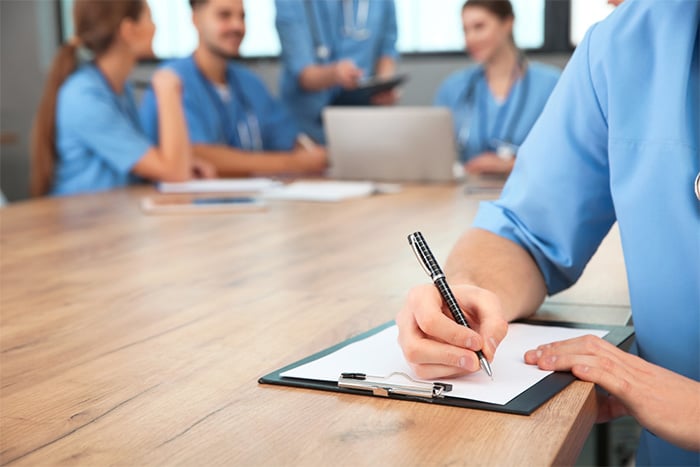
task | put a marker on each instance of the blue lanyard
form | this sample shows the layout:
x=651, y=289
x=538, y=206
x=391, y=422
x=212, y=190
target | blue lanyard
x=247, y=131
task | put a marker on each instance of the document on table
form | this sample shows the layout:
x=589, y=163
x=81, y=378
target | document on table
x=220, y=185
x=380, y=355
x=327, y=191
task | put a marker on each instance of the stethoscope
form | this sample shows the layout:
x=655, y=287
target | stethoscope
x=248, y=129
x=354, y=27
x=504, y=147
x=697, y=186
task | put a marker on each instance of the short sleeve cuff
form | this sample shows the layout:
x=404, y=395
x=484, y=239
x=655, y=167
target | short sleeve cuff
x=498, y=220
x=137, y=149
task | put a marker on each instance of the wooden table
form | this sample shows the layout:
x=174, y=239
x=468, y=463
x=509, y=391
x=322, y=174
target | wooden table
x=136, y=339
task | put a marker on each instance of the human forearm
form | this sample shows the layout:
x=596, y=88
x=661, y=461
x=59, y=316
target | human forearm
x=386, y=66
x=494, y=263
x=317, y=77
x=343, y=73
x=232, y=162
x=174, y=147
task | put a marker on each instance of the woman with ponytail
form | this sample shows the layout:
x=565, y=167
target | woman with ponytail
x=87, y=136
x=494, y=103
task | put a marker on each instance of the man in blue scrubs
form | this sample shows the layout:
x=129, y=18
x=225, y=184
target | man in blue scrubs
x=233, y=121
x=327, y=47
x=617, y=141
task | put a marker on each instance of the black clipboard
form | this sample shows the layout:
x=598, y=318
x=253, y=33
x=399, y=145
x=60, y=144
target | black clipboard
x=524, y=404
x=362, y=95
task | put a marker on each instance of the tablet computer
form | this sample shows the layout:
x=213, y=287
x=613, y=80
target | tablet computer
x=187, y=204
x=362, y=94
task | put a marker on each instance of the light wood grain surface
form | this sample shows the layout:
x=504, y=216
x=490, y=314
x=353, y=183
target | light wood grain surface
x=135, y=339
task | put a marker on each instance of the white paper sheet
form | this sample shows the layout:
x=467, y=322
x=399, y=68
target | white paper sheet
x=380, y=355
x=321, y=191
x=219, y=185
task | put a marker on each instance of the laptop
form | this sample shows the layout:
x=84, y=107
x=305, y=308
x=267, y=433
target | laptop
x=393, y=144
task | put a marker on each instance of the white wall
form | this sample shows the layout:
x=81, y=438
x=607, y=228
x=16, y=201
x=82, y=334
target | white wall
x=28, y=32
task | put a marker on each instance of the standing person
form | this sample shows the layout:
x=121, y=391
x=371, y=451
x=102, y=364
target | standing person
x=495, y=102
x=86, y=135
x=619, y=140
x=234, y=122
x=327, y=47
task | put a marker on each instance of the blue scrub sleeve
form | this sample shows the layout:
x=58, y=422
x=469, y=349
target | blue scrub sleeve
x=195, y=105
x=110, y=134
x=148, y=114
x=295, y=35
x=279, y=131
x=443, y=96
x=557, y=202
x=390, y=32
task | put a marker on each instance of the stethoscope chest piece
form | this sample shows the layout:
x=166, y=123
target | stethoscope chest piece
x=697, y=186
x=323, y=52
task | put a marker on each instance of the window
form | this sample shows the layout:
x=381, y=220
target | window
x=584, y=13
x=436, y=26
x=424, y=26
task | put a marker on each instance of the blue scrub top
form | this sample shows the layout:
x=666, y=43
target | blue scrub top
x=98, y=135
x=365, y=46
x=251, y=120
x=618, y=140
x=482, y=123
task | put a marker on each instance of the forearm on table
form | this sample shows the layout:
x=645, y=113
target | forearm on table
x=497, y=264
x=231, y=162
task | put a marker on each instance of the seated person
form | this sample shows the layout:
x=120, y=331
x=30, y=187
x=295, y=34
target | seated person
x=87, y=135
x=233, y=121
x=610, y=146
x=327, y=47
x=494, y=103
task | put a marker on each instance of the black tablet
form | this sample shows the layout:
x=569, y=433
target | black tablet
x=367, y=88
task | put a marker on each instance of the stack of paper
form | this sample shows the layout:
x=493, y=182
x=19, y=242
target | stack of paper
x=326, y=191
x=220, y=185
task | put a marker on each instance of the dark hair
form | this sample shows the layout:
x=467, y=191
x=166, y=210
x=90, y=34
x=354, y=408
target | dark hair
x=501, y=8
x=194, y=3
x=96, y=25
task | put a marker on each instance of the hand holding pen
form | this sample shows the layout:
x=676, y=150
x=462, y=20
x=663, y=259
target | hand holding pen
x=433, y=343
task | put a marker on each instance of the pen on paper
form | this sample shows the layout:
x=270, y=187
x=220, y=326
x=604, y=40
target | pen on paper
x=432, y=268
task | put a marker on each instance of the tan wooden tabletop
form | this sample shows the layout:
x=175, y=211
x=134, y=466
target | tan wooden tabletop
x=134, y=339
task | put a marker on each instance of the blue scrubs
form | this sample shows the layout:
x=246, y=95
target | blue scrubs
x=250, y=119
x=307, y=27
x=618, y=140
x=98, y=135
x=482, y=123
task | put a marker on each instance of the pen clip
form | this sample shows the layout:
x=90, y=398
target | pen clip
x=418, y=253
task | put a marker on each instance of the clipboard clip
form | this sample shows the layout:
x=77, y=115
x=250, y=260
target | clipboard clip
x=385, y=386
